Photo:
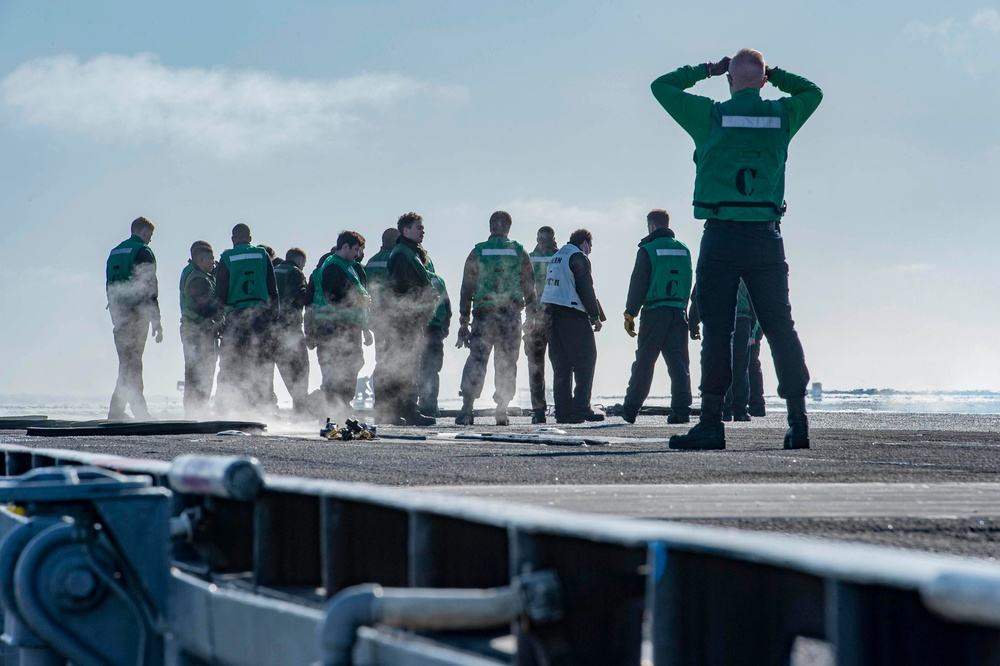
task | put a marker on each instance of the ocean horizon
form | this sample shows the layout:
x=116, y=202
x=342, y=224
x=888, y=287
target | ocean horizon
x=862, y=400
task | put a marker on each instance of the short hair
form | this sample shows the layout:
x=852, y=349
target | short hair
x=389, y=237
x=295, y=253
x=200, y=246
x=747, y=67
x=352, y=238
x=659, y=218
x=268, y=249
x=141, y=224
x=548, y=232
x=407, y=220
x=500, y=221
x=241, y=231
x=581, y=236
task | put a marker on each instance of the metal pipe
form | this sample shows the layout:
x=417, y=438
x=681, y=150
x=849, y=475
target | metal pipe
x=416, y=609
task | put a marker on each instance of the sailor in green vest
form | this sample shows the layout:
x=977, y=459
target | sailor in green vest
x=246, y=287
x=340, y=306
x=377, y=269
x=201, y=320
x=538, y=324
x=410, y=300
x=133, y=301
x=498, y=282
x=741, y=146
x=290, y=353
x=429, y=383
x=660, y=286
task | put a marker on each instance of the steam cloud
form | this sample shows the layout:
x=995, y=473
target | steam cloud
x=137, y=99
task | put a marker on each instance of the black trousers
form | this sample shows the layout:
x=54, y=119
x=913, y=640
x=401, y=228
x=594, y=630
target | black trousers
x=662, y=332
x=130, y=343
x=429, y=382
x=201, y=355
x=573, y=353
x=755, y=252
x=536, y=341
x=341, y=357
x=756, y=402
x=246, y=366
x=738, y=395
x=397, y=379
x=292, y=358
x=496, y=330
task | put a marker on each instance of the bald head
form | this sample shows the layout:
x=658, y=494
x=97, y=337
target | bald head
x=241, y=234
x=389, y=237
x=746, y=70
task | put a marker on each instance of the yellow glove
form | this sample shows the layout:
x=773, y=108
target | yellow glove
x=630, y=325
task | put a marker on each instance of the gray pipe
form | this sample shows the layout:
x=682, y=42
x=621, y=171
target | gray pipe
x=416, y=609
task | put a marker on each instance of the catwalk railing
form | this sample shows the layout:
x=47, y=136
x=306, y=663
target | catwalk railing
x=205, y=561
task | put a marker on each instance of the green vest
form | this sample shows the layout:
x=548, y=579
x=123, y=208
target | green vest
x=741, y=164
x=409, y=255
x=377, y=269
x=122, y=259
x=441, y=312
x=670, y=277
x=499, y=276
x=247, y=266
x=540, y=265
x=192, y=272
x=357, y=313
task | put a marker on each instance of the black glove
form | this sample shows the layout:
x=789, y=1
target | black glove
x=768, y=71
x=718, y=68
x=694, y=330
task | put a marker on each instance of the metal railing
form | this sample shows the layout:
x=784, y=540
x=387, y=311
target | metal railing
x=209, y=563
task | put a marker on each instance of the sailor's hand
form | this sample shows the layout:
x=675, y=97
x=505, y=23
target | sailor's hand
x=695, y=331
x=630, y=325
x=597, y=325
x=717, y=68
x=158, y=332
x=369, y=338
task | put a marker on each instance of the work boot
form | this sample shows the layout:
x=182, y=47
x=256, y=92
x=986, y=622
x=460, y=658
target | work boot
x=797, y=436
x=538, y=416
x=676, y=417
x=629, y=416
x=757, y=411
x=465, y=416
x=418, y=419
x=727, y=414
x=741, y=417
x=501, y=415
x=708, y=433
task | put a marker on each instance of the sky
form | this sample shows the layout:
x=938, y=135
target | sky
x=305, y=118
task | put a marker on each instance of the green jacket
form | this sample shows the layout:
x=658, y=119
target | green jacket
x=122, y=259
x=740, y=144
x=670, y=274
x=356, y=312
x=247, y=266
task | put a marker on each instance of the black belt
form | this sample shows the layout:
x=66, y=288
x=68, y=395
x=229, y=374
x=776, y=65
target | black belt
x=729, y=224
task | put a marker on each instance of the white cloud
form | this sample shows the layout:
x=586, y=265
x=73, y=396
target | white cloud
x=972, y=44
x=138, y=99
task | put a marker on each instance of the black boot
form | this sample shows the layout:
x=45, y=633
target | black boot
x=465, y=416
x=797, y=436
x=501, y=415
x=538, y=416
x=709, y=433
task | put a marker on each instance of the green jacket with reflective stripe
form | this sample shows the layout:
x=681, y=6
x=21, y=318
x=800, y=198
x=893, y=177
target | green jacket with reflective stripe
x=122, y=259
x=498, y=280
x=247, y=265
x=670, y=273
x=741, y=144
